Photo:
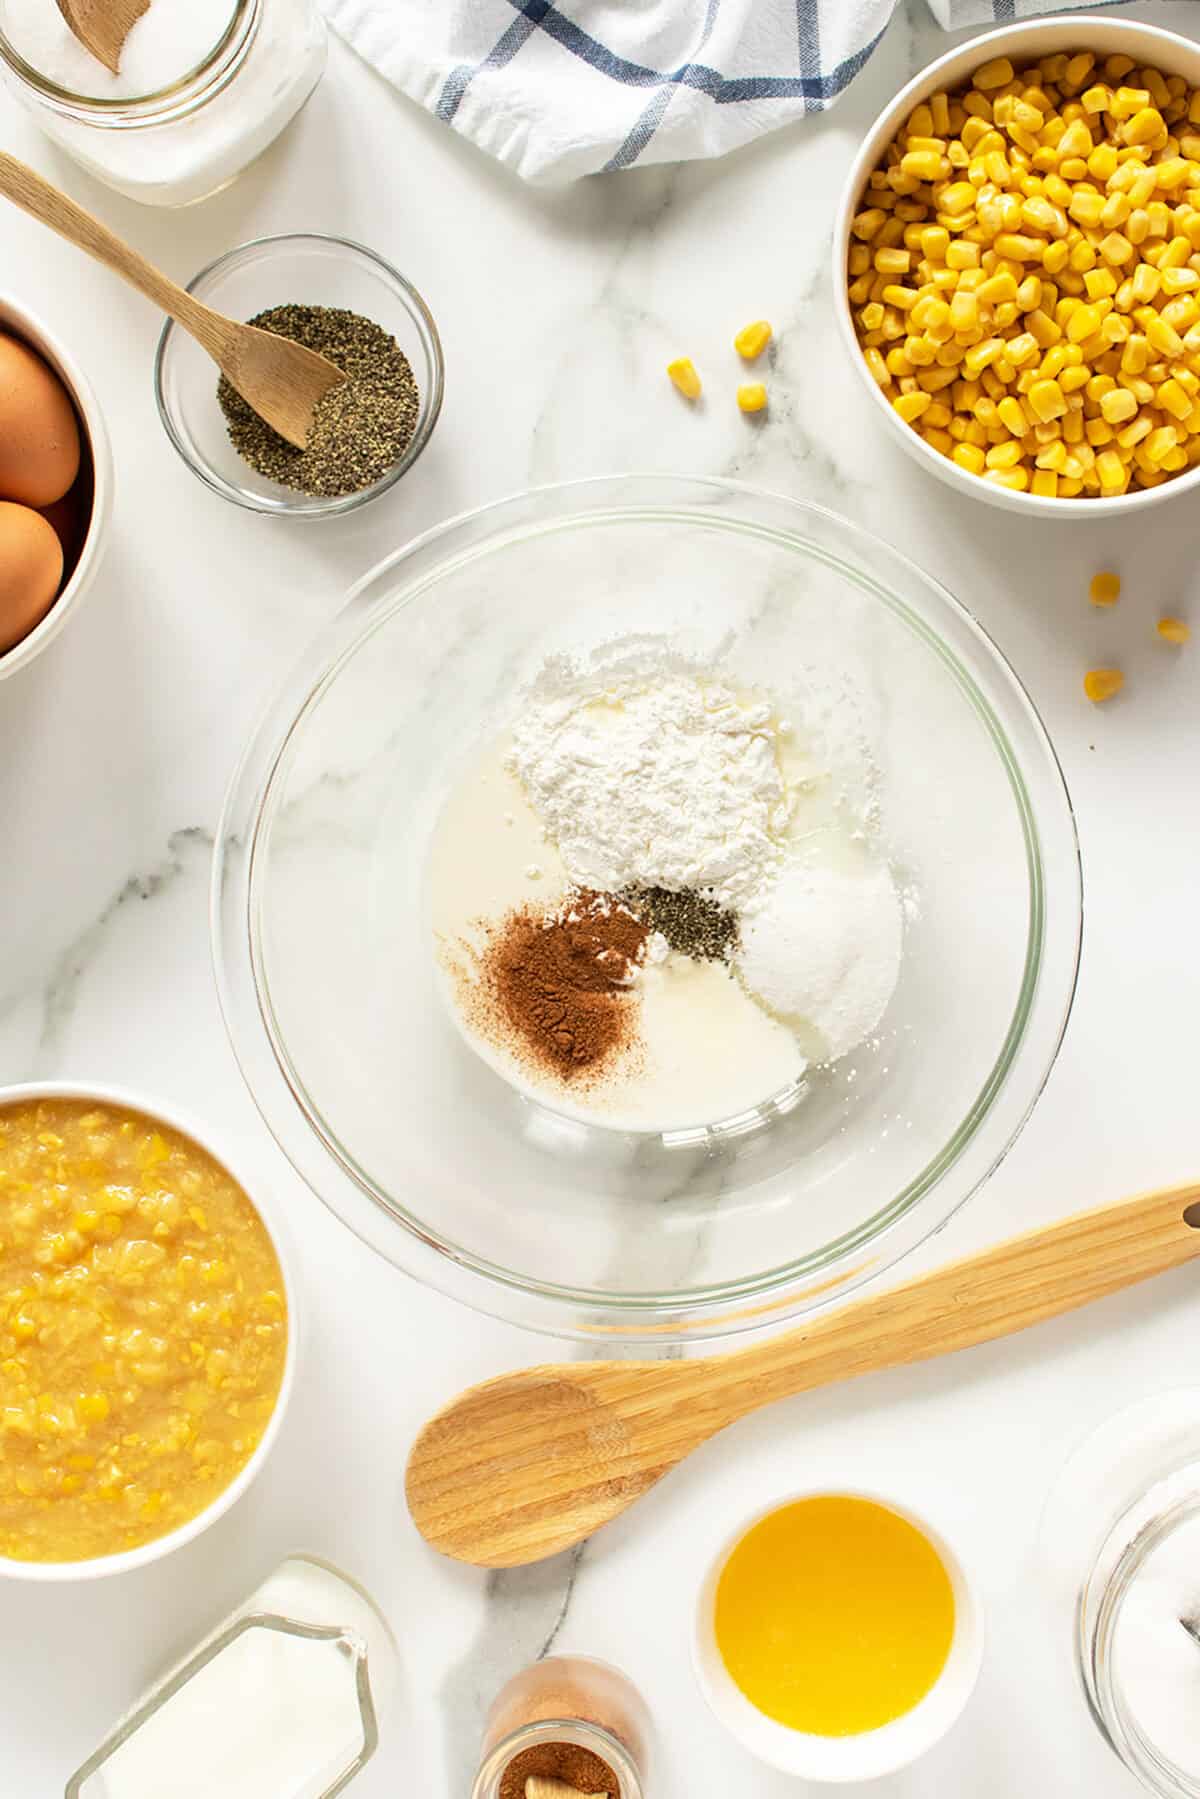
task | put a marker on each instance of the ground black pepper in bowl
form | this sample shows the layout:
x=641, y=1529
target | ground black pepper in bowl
x=691, y=921
x=361, y=428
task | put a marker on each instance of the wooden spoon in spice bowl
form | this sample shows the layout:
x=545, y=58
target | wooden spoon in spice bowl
x=283, y=381
x=530, y=1464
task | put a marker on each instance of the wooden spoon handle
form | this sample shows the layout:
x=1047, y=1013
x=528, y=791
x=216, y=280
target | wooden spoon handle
x=47, y=203
x=1004, y=1290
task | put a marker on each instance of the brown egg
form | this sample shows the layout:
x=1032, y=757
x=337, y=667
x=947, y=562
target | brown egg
x=31, y=566
x=39, y=434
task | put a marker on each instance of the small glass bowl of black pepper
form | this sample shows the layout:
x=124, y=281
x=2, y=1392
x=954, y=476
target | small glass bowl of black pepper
x=345, y=301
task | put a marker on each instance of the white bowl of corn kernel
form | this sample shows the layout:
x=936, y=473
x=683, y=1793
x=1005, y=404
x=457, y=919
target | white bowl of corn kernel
x=1018, y=264
x=147, y=1333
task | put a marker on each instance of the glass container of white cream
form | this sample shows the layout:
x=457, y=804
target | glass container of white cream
x=204, y=86
x=1121, y=1544
x=284, y=1700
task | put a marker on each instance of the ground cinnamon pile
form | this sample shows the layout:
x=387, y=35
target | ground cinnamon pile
x=574, y=1766
x=559, y=984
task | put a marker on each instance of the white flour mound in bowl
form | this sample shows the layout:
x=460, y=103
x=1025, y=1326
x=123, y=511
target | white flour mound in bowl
x=824, y=950
x=669, y=781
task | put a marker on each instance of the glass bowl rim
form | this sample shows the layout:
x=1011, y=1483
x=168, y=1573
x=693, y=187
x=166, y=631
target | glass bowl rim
x=431, y=405
x=159, y=105
x=627, y=1316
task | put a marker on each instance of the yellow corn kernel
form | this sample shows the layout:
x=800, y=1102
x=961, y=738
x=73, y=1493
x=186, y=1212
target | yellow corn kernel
x=1133, y=434
x=1164, y=337
x=964, y=311
x=970, y=457
x=1146, y=283
x=1004, y=455
x=683, y=373
x=1100, y=684
x=994, y=74
x=1083, y=322
x=1111, y=471
x=752, y=397
x=911, y=406
x=1118, y=405
x=979, y=356
x=866, y=224
x=1099, y=284
x=1127, y=102
x=1047, y=399
x=1044, y=483
x=902, y=298
x=930, y=311
x=752, y=340
x=1161, y=442
x=92, y=1407
x=958, y=198
x=1018, y=248
x=996, y=288
x=1096, y=99
x=1105, y=589
x=962, y=256
x=1172, y=398
x=1012, y=415
x=1145, y=124
x=1173, y=630
x=1015, y=478
x=1116, y=248
x=924, y=165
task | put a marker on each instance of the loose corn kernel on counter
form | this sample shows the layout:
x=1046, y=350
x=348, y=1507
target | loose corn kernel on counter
x=1024, y=275
x=143, y=1330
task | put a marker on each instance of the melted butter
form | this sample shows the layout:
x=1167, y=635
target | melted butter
x=835, y=1616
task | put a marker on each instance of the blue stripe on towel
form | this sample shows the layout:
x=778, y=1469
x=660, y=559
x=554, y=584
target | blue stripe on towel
x=808, y=31
x=460, y=79
x=813, y=85
x=651, y=118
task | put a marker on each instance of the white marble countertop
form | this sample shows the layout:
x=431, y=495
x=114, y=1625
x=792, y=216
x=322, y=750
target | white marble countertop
x=558, y=313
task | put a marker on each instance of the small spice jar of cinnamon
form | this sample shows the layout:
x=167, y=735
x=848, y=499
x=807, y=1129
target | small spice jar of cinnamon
x=567, y=1728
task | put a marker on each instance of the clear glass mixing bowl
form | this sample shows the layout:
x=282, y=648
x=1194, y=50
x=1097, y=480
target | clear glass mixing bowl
x=324, y=955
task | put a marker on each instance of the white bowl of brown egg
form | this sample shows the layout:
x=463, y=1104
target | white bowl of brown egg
x=1017, y=267
x=147, y=1332
x=56, y=481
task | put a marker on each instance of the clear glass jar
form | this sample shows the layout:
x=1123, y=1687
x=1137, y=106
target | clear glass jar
x=1112, y=1545
x=558, y=1705
x=284, y=1700
x=182, y=142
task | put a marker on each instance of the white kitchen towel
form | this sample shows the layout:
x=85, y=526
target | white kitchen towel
x=563, y=88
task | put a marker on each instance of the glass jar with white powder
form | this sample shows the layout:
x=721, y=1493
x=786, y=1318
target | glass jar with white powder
x=1120, y=1543
x=204, y=87
x=285, y=1700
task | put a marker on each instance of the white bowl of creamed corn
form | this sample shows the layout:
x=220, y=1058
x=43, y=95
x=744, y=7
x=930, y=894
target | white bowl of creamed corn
x=147, y=1333
x=1017, y=266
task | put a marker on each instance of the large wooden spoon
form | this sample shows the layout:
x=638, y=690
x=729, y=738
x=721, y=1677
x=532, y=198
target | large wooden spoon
x=282, y=380
x=526, y=1465
x=103, y=25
